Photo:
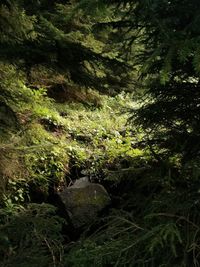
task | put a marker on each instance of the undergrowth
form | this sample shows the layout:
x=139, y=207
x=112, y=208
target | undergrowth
x=156, y=220
x=161, y=230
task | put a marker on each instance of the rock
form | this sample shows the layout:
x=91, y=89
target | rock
x=80, y=183
x=83, y=201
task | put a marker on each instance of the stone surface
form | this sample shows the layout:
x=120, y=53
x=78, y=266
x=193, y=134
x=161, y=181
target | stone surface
x=81, y=183
x=83, y=201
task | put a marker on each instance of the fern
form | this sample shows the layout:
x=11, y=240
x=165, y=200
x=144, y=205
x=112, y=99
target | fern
x=37, y=238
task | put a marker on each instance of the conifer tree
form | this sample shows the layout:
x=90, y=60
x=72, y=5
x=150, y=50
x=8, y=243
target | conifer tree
x=168, y=35
x=49, y=35
x=53, y=45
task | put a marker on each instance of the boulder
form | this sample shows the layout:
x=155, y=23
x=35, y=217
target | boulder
x=83, y=201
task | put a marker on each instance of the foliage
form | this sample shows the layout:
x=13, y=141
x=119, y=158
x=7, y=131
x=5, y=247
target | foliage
x=163, y=222
x=47, y=39
x=172, y=66
x=22, y=110
x=99, y=140
x=165, y=36
x=56, y=127
x=160, y=230
x=49, y=51
x=30, y=236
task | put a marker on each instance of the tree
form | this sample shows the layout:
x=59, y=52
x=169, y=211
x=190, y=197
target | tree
x=49, y=35
x=168, y=56
x=171, y=69
x=50, y=44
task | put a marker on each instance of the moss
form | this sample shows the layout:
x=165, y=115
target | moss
x=90, y=195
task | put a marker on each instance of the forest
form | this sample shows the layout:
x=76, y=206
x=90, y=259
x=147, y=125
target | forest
x=99, y=133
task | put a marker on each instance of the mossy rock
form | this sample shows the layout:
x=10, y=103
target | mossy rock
x=83, y=204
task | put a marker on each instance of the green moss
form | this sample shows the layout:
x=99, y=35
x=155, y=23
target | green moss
x=89, y=197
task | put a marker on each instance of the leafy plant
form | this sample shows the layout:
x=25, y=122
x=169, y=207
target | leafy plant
x=36, y=239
